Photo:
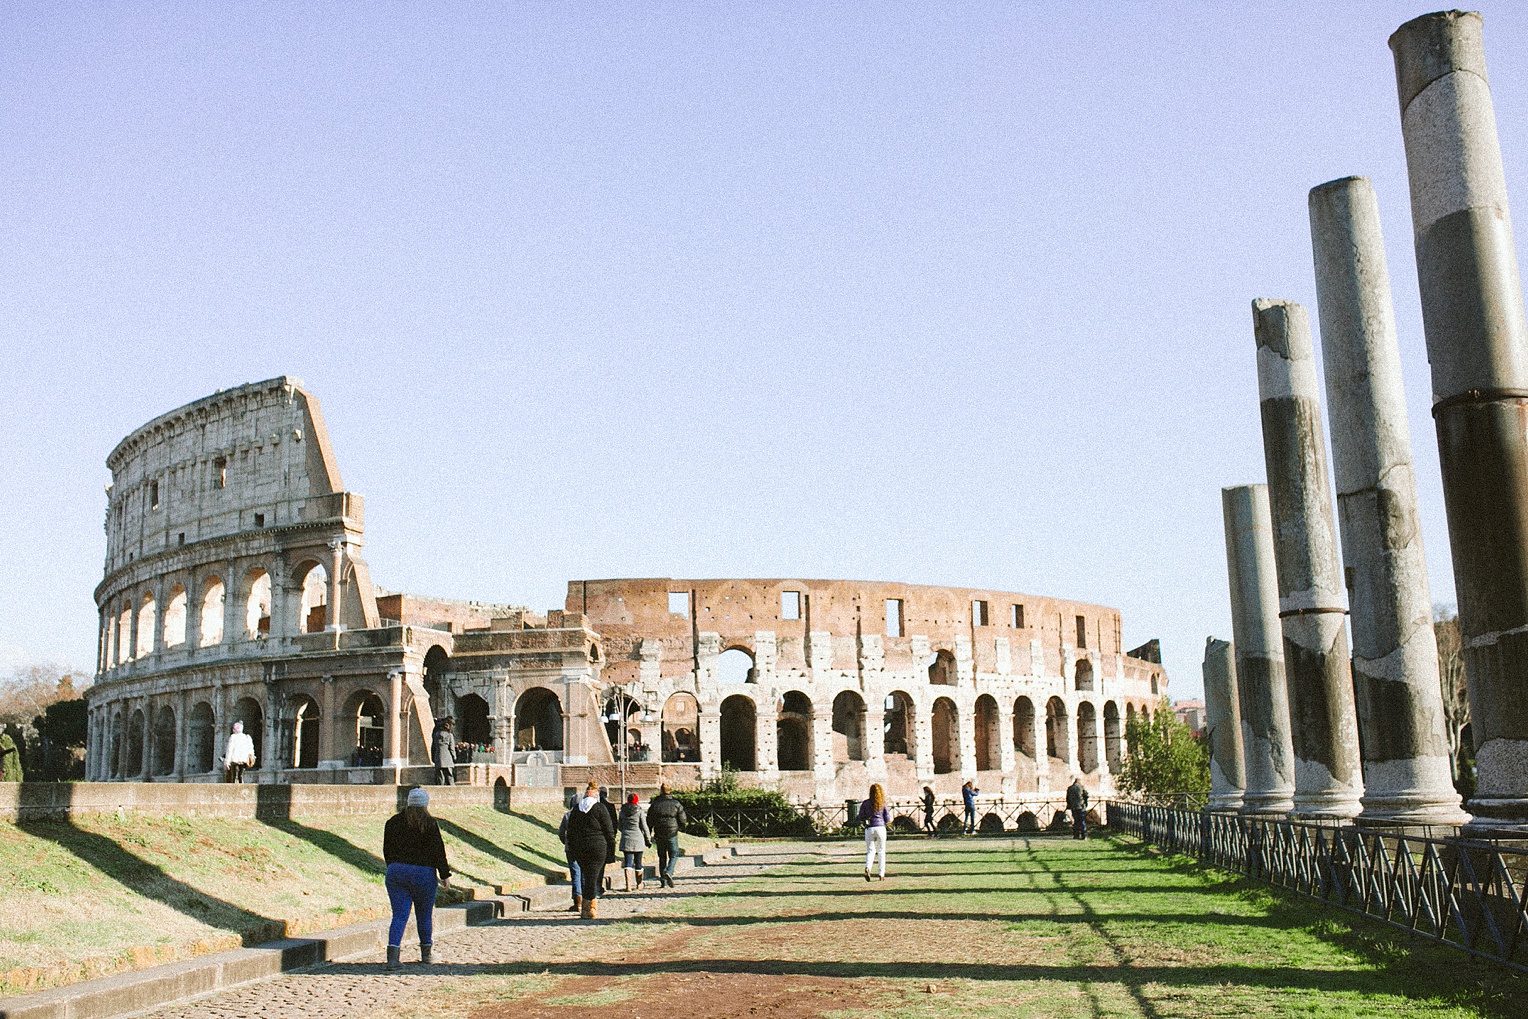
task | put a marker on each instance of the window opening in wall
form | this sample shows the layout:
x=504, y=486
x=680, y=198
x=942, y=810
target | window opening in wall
x=1082, y=631
x=220, y=472
x=180, y=538
x=893, y=617
x=1016, y=617
x=978, y=613
x=790, y=604
x=153, y=495
x=679, y=603
x=259, y=519
x=1153, y=686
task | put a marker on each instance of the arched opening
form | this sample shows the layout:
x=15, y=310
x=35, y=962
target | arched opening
x=212, y=612
x=620, y=713
x=946, y=719
x=175, y=617
x=793, y=732
x=1111, y=736
x=1083, y=674
x=941, y=671
x=681, y=721
x=435, y=663
x=201, y=739
x=848, y=727
x=1087, y=738
x=1024, y=727
x=988, y=750
x=146, y=619
x=125, y=634
x=111, y=641
x=312, y=612
x=370, y=727
x=897, y=725
x=248, y=711
x=135, y=739
x=257, y=605
x=1057, y=745
x=738, y=721
x=734, y=666
x=538, y=720
x=117, y=735
x=301, y=732
x=162, y=760
x=472, y=721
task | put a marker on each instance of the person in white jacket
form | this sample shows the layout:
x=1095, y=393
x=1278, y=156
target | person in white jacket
x=239, y=755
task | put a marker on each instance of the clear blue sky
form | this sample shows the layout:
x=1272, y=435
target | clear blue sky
x=944, y=293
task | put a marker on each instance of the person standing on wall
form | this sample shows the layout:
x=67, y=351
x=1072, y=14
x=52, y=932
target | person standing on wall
x=591, y=834
x=928, y=812
x=1077, y=803
x=635, y=835
x=415, y=857
x=441, y=752
x=239, y=755
x=875, y=815
x=968, y=793
x=575, y=872
x=666, y=816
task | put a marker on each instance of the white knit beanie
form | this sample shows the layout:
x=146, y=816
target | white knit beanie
x=418, y=797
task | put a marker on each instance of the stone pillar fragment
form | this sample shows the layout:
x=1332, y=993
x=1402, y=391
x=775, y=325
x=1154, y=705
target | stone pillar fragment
x=1477, y=345
x=1407, y=778
x=1228, y=776
x=1328, y=774
x=1268, y=753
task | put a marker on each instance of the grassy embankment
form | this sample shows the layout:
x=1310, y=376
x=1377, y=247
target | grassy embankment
x=971, y=928
x=115, y=892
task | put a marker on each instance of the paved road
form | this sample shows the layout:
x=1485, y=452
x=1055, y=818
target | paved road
x=360, y=987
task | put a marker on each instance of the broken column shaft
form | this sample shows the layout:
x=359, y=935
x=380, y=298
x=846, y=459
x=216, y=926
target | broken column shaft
x=1223, y=716
x=1406, y=774
x=1477, y=344
x=1328, y=782
x=1267, y=753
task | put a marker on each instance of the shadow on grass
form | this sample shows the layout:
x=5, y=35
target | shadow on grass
x=337, y=846
x=495, y=850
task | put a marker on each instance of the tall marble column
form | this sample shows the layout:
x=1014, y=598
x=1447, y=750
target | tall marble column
x=1477, y=345
x=1262, y=692
x=1407, y=778
x=1328, y=775
x=1228, y=776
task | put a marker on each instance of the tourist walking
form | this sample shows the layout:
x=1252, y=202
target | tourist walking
x=239, y=755
x=665, y=817
x=928, y=812
x=615, y=822
x=442, y=754
x=968, y=793
x=1077, y=803
x=875, y=815
x=635, y=835
x=575, y=872
x=416, y=858
x=591, y=834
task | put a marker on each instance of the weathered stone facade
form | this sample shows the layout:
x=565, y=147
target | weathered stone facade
x=235, y=590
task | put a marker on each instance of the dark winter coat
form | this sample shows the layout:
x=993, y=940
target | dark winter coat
x=615, y=825
x=591, y=832
x=440, y=748
x=402, y=844
x=1076, y=797
x=666, y=816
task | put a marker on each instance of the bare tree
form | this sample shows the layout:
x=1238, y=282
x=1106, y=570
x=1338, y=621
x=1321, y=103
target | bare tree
x=1456, y=702
x=28, y=690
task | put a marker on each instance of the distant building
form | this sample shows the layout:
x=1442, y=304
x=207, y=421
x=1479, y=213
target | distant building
x=1191, y=714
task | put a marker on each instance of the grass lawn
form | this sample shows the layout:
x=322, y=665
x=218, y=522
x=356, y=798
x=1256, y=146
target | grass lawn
x=109, y=893
x=975, y=928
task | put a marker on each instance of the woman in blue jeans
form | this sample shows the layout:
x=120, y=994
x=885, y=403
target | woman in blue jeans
x=416, y=857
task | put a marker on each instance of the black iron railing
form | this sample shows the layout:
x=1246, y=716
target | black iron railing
x=1468, y=893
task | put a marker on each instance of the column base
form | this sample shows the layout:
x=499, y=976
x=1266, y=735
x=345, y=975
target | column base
x=1508, y=815
x=1225, y=804
x=1274, y=804
x=1402, y=811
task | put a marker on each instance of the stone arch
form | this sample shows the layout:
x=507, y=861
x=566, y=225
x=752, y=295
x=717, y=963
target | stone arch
x=175, y=617
x=118, y=734
x=125, y=633
x=367, y=713
x=249, y=711
x=736, y=665
x=1024, y=727
x=302, y=733
x=472, y=725
x=257, y=604
x=201, y=739
x=681, y=728
x=1057, y=736
x=162, y=757
x=848, y=726
x=211, y=611
x=1112, y=755
x=738, y=723
x=312, y=580
x=135, y=740
x=436, y=662
x=899, y=733
x=1087, y=737
x=793, y=732
x=538, y=719
x=941, y=671
x=946, y=735
x=988, y=749
x=146, y=620
x=1082, y=673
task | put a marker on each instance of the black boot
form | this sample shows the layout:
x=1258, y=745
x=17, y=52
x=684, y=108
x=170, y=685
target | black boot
x=424, y=953
x=392, y=957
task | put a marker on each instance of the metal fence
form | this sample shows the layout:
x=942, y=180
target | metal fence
x=1468, y=893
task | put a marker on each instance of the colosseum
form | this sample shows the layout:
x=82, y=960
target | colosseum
x=235, y=590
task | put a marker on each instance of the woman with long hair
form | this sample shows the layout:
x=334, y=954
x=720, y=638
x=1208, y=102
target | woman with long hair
x=875, y=815
x=415, y=857
x=928, y=812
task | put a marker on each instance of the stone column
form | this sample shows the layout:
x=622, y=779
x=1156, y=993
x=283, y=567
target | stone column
x=965, y=735
x=1268, y=751
x=710, y=735
x=336, y=584
x=182, y=731
x=923, y=734
x=395, y=758
x=1042, y=754
x=1477, y=345
x=1222, y=708
x=1007, y=757
x=235, y=607
x=1407, y=778
x=1328, y=775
